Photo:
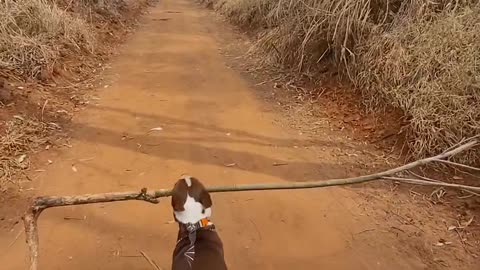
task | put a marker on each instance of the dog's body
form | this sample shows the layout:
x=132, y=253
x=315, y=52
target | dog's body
x=198, y=245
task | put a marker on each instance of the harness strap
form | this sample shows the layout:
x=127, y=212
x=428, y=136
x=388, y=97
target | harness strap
x=192, y=229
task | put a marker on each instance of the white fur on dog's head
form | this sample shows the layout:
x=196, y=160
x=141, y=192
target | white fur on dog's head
x=191, y=202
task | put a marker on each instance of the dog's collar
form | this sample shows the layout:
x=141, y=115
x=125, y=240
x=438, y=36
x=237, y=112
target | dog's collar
x=189, y=230
x=193, y=227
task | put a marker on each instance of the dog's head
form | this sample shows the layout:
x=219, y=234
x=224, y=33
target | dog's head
x=191, y=202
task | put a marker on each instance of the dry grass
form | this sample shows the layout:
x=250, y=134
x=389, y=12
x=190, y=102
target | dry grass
x=301, y=33
x=22, y=136
x=34, y=33
x=419, y=56
x=428, y=66
x=35, y=36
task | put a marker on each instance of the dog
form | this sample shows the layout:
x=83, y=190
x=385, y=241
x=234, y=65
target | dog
x=198, y=245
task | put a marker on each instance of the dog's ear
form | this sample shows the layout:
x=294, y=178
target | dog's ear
x=200, y=193
x=179, y=195
x=205, y=199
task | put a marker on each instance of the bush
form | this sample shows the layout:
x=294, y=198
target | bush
x=34, y=32
x=416, y=55
x=428, y=66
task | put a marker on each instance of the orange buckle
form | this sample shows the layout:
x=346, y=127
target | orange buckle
x=204, y=222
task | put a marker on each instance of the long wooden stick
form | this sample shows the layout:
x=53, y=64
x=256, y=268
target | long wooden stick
x=42, y=203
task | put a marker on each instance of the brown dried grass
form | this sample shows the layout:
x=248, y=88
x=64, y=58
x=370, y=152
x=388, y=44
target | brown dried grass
x=419, y=56
x=22, y=137
x=34, y=33
x=34, y=36
x=301, y=33
x=428, y=65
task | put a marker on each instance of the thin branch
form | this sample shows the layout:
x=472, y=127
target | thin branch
x=473, y=138
x=15, y=239
x=471, y=194
x=150, y=261
x=31, y=235
x=56, y=201
x=42, y=203
x=429, y=183
x=458, y=165
x=423, y=177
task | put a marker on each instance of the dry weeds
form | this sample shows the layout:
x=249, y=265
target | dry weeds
x=419, y=56
x=35, y=33
x=35, y=36
x=22, y=137
x=429, y=68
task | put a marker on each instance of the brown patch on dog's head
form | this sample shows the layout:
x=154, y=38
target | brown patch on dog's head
x=194, y=188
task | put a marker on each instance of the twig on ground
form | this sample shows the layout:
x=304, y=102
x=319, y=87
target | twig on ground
x=423, y=177
x=150, y=261
x=471, y=194
x=430, y=183
x=458, y=165
x=463, y=242
x=42, y=203
x=15, y=239
x=270, y=80
x=43, y=108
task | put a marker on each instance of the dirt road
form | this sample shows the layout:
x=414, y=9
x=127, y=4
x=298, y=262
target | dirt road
x=171, y=75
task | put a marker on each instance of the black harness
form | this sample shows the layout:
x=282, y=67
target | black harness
x=192, y=228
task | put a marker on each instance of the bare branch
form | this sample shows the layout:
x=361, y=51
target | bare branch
x=56, y=201
x=473, y=138
x=423, y=177
x=430, y=183
x=471, y=193
x=458, y=165
x=41, y=203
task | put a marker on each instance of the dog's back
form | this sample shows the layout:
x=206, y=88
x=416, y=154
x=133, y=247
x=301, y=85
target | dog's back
x=199, y=248
x=208, y=254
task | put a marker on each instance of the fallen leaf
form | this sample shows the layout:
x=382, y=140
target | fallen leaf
x=75, y=218
x=279, y=164
x=452, y=228
x=21, y=158
x=55, y=125
x=466, y=224
x=126, y=137
x=156, y=129
x=19, y=117
x=442, y=242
